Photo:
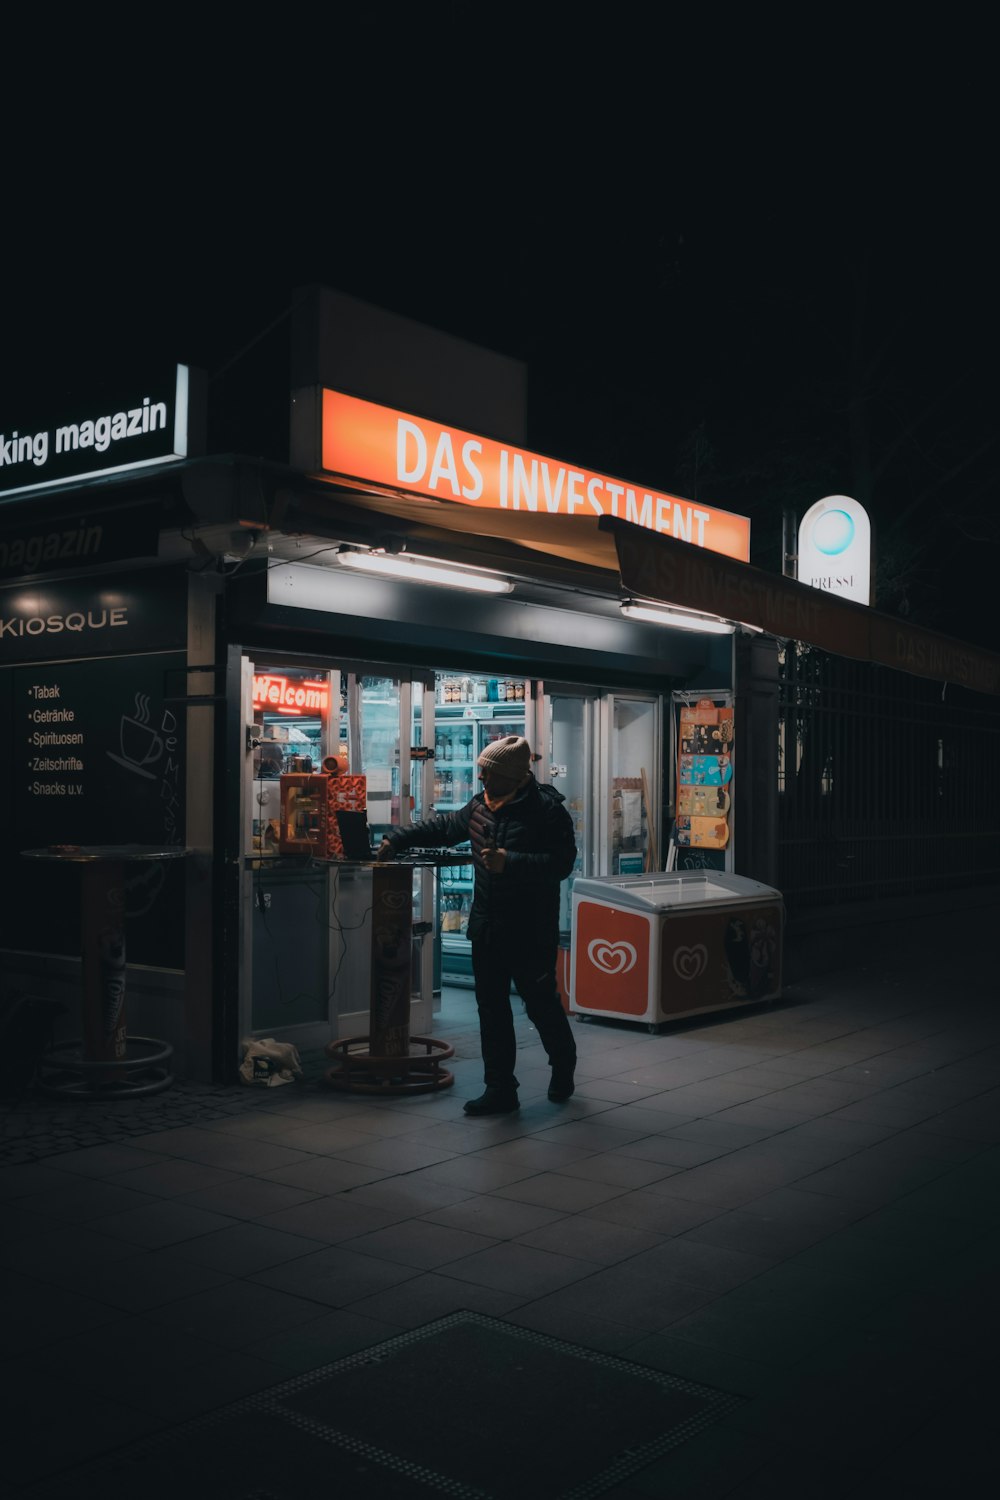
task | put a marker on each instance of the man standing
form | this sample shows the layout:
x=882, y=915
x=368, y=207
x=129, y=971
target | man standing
x=523, y=846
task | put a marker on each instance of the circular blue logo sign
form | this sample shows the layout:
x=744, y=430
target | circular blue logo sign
x=833, y=532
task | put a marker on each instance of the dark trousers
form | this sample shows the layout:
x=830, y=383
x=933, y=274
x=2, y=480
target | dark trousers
x=496, y=961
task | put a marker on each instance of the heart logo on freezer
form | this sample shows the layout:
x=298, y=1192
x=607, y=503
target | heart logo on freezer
x=690, y=962
x=611, y=958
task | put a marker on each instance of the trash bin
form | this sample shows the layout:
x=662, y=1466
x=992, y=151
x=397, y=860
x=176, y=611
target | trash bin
x=654, y=948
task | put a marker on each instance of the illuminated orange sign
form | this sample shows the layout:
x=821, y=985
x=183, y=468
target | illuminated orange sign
x=289, y=695
x=366, y=442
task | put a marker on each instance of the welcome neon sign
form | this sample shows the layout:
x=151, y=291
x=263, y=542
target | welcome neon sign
x=290, y=695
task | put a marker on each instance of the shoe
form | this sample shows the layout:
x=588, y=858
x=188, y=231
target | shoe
x=561, y=1087
x=493, y=1102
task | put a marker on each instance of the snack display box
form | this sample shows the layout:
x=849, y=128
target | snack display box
x=310, y=802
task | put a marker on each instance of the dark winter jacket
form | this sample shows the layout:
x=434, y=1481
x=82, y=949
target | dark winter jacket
x=537, y=833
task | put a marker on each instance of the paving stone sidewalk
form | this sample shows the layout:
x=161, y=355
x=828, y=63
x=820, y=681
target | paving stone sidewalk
x=36, y=1126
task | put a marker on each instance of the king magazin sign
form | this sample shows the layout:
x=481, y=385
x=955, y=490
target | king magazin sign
x=158, y=421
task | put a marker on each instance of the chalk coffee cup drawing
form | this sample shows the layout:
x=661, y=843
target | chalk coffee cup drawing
x=139, y=742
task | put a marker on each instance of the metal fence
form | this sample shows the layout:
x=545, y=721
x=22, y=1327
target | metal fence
x=888, y=784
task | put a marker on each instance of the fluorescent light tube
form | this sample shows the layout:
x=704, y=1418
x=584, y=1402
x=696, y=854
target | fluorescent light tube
x=678, y=619
x=423, y=570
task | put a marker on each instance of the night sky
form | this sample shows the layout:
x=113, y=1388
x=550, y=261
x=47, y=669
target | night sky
x=747, y=292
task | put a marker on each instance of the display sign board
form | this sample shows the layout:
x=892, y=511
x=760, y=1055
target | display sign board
x=152, y=419
x=94, y=754
x=84, y=541
x=835, y=548
x=704, y=728
x=397, y=451
x=93, y=617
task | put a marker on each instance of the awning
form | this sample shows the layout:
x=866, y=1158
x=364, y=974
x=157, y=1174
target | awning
x=610, y=555
x=658, y=567
x=574, y=541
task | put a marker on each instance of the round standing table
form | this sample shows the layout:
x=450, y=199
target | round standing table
x=389, y=1060
x=107, y=1063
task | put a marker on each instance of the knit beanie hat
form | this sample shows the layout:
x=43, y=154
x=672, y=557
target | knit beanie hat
x=509, y=756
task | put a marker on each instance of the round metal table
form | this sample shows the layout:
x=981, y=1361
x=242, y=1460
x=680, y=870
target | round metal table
x=106, y=1063
x=389, y=1060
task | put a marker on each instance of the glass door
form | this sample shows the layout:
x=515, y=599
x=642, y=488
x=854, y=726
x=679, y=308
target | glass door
x=288, y=711
x=415, y=804
x=567, y=731
x=375, y=707
x=388, y=715
x=603, y=751
x=633, y=755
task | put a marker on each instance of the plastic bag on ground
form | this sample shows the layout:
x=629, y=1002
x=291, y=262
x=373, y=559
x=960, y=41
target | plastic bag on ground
x=267, y=1063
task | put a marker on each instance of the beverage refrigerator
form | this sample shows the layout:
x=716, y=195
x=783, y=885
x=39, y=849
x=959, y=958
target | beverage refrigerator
x=469, y=712
x=601, y=749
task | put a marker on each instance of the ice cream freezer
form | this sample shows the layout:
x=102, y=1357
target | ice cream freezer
x=654, y=948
